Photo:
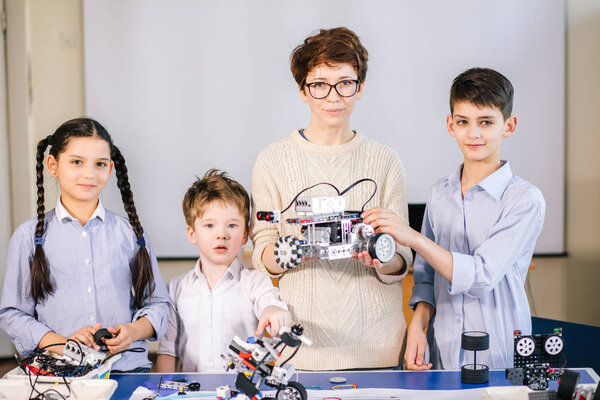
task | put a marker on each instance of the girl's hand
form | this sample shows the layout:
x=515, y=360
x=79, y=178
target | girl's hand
x=386, y=221
x=416, y=343
x=86, y=335
x=275, y=317
x=124, y=335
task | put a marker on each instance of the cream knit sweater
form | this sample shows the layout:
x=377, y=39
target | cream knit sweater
x=352, y=314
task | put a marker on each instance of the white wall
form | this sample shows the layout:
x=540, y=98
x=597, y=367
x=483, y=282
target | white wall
x=187, y=86
x=45, y=86
x=6, y=347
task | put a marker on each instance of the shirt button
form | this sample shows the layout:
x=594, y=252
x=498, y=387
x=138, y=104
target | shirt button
x=87, y=260
x=90, y=289
x=92, y=318
x=209, y=326
x=84, y=233
x=458, y=320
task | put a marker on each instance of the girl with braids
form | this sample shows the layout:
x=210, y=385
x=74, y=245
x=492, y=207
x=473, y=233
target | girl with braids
x=80, y=267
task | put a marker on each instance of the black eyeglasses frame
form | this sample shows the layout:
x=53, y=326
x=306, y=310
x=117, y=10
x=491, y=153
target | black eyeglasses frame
x=356, y=81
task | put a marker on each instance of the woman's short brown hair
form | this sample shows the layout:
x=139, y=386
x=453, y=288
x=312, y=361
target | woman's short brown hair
x=215, y=185
x=329, y=46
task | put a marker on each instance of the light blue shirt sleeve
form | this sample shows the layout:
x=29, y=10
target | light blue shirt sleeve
x=513, y=236
x=423, y=273
x=17, y=307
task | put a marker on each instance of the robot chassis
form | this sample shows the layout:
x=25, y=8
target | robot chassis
x=253, y=360
x=537, y=360
x=330, y=233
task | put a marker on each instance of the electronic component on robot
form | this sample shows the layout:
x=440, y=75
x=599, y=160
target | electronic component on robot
x=320, y=205
x=78, y=353
x=181, y=385
x=537, y=360
x=475, y=341
x=539, y=348
x=254, y=359
x=330, y=232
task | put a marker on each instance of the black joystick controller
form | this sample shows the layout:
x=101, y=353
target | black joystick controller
x=101, y=335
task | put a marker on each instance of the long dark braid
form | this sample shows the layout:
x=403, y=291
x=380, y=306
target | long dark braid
x=41, y=285
x=143, y=278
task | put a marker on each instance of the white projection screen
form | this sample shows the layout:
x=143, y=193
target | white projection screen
x=184, y=86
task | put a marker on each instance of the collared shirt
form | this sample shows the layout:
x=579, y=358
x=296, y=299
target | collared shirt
x=491, y=234
x=203, y=322
x=90, y=268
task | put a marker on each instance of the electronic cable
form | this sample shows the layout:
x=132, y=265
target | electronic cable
x=337, y=191
x=49, y=366
x=356, y=183
x=133, y=350
x=308, y=188
x=290, y=357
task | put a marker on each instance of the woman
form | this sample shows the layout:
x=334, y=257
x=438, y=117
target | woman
x=350, y=308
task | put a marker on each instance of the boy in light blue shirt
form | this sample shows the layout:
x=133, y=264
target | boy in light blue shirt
x=477, y=238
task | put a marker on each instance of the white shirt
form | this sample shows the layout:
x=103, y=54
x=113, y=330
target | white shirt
x=203, y=322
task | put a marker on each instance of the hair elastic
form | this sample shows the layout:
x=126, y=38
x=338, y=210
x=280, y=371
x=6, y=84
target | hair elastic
x=142, y=242
x=344, y=387
x=50, y=140
x=38, y=241
x=314, y=387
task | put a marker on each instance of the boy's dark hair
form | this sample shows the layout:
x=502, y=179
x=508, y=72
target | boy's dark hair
x=329, y=46
x=142, y=276
x=483, y=87
x=215, y=185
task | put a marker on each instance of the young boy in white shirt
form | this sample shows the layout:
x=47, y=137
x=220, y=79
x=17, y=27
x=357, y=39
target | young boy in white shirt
x=478, y=235
x=219, y=298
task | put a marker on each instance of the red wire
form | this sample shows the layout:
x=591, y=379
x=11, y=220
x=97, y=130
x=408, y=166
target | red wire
x=556, y=369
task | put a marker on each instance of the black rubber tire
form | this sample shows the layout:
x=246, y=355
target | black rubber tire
x=475, y=340
x=102, y=334
x=292, y=391
x=289, y=340
x=470, y=373
x=372, y=247
x=193, y=386
x=597, y=393
x=567, y=385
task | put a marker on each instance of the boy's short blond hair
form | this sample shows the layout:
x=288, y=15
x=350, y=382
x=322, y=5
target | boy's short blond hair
x=215, y=185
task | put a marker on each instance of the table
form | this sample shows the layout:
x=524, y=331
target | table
x=415, y=380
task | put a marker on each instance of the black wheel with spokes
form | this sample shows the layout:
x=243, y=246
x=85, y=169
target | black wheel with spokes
x=293, y=391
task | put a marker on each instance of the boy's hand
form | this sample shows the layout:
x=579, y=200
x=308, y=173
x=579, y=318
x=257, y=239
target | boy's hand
x=85, y=335
x=386, y=221
x=274, y=316
x=124, y=335
x=416, y=343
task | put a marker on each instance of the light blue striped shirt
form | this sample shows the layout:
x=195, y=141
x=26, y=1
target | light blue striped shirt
x=491, y=234
x=90, y=268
